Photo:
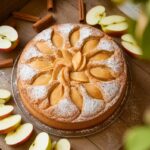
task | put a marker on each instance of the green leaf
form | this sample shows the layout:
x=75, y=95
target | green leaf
x=146, y=42
x=137, y=138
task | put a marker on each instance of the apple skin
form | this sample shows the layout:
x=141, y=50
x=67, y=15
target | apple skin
x=5, y=131
x=13, y=46
x=130, y=45
x=131, y=53
x=23, y=141
x=6, y=115
x=113, y=33
x=8, y=129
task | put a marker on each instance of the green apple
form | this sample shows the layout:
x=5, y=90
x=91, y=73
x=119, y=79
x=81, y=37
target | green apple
x=130, y=45
x=20, y=135
x=63, y=144
x=5, y=110
x=95, y=15
x=9, y=124
x=41, y=142
x=114, y=25
x=4, y=96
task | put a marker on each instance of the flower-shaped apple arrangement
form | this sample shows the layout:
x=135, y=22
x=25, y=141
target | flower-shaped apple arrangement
x=8, y=38
x=114, y=25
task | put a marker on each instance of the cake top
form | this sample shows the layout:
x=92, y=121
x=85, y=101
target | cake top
x=72, y=72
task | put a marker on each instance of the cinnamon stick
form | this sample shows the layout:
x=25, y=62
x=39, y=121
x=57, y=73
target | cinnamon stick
x=49, y=4
x=43, y=23
x=25, y=16
x=81, y=10
x=4, y=63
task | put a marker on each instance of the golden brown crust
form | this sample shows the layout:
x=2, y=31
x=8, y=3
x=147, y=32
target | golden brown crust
x=111, y=82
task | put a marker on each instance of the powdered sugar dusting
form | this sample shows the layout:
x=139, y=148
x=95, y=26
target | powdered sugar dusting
x=105, y=44
x=31, y=53
x=37, y=92
x=44, y=35
x=115, y=64
x=86, y=32
x=65, y=29
x=109, y=89
x=91, y=106
x=26, y=72
x=64, y=109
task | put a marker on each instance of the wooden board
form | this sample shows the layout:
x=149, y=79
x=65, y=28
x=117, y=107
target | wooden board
x=111, y=138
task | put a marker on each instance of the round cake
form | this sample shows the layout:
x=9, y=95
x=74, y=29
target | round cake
x=71, y=76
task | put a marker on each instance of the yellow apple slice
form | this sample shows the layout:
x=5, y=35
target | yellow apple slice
x=93, y=91
x=67, y=56
x=90, y=45
x=101, y=73
x=74, y=37
x=5, y=110
x=63, y=144
x=95, y=15
x=83, y=64
x=76, y=97
x=130, y=45
x=57, y=40
x=76, y=60
x=56, y=94
x=20, y=135
x=101, y=56
x=41, y=142
x=42, y=79
x=79, y=76
x=43, y=47
x=9, y=124
x=4, y=96
x=114, y=25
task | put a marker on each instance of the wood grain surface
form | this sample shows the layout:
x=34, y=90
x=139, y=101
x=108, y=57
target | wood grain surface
x=111, y=138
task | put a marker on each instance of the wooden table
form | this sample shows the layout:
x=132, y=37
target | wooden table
x=110, y=138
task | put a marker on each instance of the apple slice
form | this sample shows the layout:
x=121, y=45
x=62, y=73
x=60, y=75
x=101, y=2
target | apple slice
x=8, y=38
x=63, y=144
x=5, y=110
x=114, y=25
x=4, y=96
x=9, y=124
x=20, y=135
x=95, y=15
x=130, y=45
x=41, y=142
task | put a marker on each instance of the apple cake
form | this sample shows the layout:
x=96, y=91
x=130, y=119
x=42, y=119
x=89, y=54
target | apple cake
x=71, y=76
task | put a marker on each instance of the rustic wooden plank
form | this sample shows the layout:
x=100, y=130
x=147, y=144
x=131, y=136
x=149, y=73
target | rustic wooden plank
x=139, y=97
x=67, y=11
x=111, y=137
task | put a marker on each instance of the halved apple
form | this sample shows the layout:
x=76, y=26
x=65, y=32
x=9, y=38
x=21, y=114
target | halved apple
x=5, y=110
x=9, y=124
x=95, y=15
x=130, y=45
x=114, y=25
x=4, y=96
x=63, y=144
x=20, y=135
x=8, y=38
x=41, y=142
